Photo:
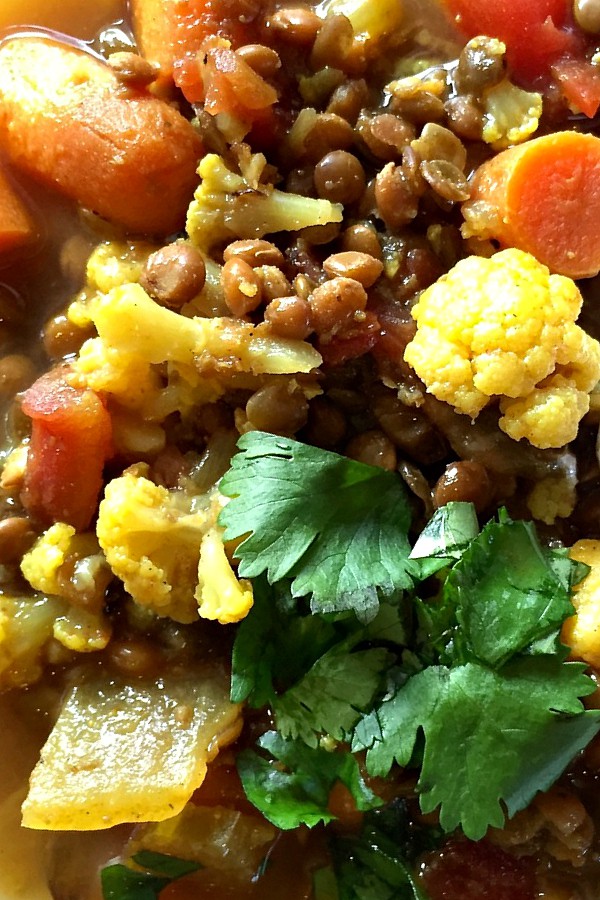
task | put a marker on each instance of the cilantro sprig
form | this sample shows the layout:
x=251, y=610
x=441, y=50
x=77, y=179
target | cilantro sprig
x=349, y=638
x=146, y=878
x=336, y=527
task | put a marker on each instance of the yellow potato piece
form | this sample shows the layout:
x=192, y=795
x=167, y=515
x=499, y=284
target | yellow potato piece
x=130, y=752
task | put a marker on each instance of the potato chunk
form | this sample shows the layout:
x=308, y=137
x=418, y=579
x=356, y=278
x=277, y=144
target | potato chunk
x=129, y=752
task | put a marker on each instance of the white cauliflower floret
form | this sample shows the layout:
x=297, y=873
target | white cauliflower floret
x=228, y=205
x=505, y=328
x=154, y=541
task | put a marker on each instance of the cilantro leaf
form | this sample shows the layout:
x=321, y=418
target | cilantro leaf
x=490, y=736
x=123, y=882
x=506, y=592
x=445, y=537
x=378, y=863
x=332, y=694
x=299, y=795
x=337, y=527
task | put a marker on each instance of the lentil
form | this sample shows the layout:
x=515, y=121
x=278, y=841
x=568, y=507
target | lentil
x=133, y=70
x=296, y=25
x=278, y=407
x=466, y=481
x=480, y=65
x=396, y=196
x=174, y=275
x=242, y=286
x=446, y=180
x=255, y=253
x=334, y=44
x=327, y=424
x=362, y=239
x=352, y=264
x=17, y=372
x=63, y=338
x=348, y=99
x=373, y=448
x=289, y=317
x=465, y=116
x=335, y=304
x=587, y=15
x=328, y=132
x=386, y=135
x=274, y=283
x=264, y=60
x=340, y=177
x=16, y=538
x=135, y=656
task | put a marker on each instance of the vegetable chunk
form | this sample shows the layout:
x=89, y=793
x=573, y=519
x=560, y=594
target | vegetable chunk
x=130, y=753
x=504, y=327
x=65, y=119
x=542, y=197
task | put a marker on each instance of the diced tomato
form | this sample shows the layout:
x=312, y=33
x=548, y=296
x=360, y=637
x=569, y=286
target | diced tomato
x=197, y=20
x=579, y=82
x=536, y=32
x=468, y=870
x=71, y=439
x=355, y=342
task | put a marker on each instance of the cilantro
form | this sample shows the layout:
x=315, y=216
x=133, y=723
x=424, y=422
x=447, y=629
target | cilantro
x=378, y=863
x=337, y=527
x=155, y=872
x=490, y=736
x=299, y=794
x=445, y=537
x=506, y=592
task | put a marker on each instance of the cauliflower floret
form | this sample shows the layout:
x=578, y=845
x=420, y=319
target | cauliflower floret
x=81, y=628
x=505, y=328
x=582, y=631
x=26, y=625
x=219, y=593
x=152, y=543
x=166, y=548
x=511, y=115
x=202, y=354
x=228, y=206
x=370, y=21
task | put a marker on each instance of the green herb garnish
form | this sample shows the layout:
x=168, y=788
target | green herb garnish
x=146, y=878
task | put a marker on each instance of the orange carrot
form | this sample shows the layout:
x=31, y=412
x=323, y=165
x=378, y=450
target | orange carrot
x=16, y=227
x=544, y=198
x=65, y=119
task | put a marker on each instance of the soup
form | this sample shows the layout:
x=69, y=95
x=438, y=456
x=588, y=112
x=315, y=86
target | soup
x=299, y=537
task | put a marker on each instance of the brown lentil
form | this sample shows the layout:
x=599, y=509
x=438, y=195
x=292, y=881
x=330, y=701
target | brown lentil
x=289, y=317
x=254, y=252
x=348, y=99
x=328, y=132
x=465, y=116
x=446, y=180
x=174, y=275
x=334, y=44
x=278, y=407
x=587, y=15
x=386, y=135
x=133, y=70
x=327, y=425
x=17, y=372
x=409, y=429
x=362, y=239
x=464, y=481
x=264, y=60
x=63, y=338
x=340, y=177
x=16, y=537
x=303, y=286
x=480, y=65
x=134, y=657
x=373, y=448
x=352, y=264
x=274, y=283
x=396, y=196
x=316, y=235
x=297, y=25
x=242, y=286
x=335, y=303
x=437, y=142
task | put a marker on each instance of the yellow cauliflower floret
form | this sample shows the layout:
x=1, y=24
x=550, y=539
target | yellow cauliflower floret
x=152, y=543
x=511, y=115
x=220, y=594
x=25, y=633
x=582, y=631
x=41, y=564
x=504, y=327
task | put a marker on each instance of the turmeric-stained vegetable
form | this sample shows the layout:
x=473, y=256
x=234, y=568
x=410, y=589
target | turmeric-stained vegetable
x=70, y=442
x=581, y=632
x=130, y=752
x=16, y=227
x=65, y=119
x=542, y=197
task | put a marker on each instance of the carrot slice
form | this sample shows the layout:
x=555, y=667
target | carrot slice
x=544, y=197
x=71, y=439
x=65, y=118
x=16, y=226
